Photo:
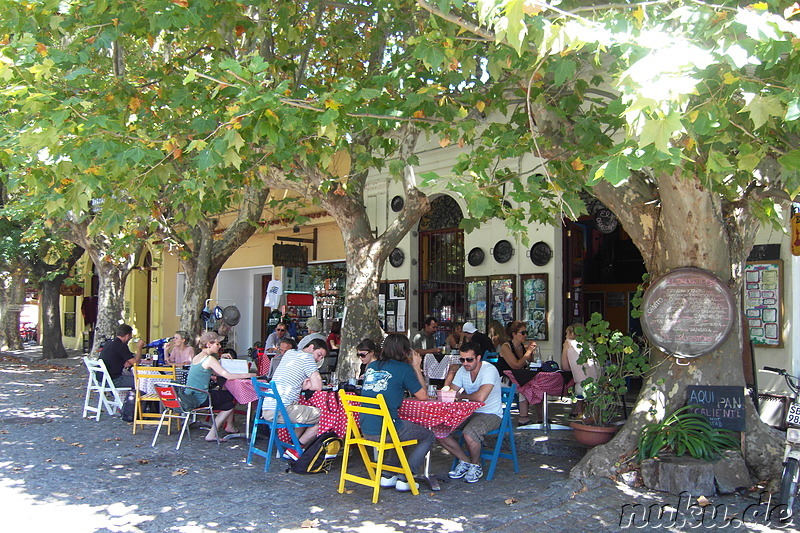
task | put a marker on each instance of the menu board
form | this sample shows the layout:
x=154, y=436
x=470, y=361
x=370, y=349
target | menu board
x=762, y=302
x=723, y=405
x=688, y=312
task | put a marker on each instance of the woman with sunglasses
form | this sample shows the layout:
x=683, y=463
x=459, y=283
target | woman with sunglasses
x=203, y=364
x=367, y=352
x=516, y=355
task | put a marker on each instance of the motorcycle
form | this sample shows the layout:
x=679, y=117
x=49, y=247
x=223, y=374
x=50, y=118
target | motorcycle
x=791, y=454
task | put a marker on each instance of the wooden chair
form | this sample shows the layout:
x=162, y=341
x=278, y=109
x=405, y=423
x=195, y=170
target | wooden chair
x=100, y=382
x=145, y=378
x=389, y=440
x=280, y=420
x=506, y=430
x=174, y=409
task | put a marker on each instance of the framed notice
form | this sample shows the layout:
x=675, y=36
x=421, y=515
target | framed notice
x=762, y=297
x=392, y=314
x=534, y=305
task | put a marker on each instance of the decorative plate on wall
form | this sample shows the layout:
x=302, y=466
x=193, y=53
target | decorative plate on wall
x=397, y=257
x=502, y=251
x=541, y=253
x=475, y=257
x=397, y=204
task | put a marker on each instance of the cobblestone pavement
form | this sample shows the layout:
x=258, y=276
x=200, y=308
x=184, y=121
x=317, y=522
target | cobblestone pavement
x=62, y=473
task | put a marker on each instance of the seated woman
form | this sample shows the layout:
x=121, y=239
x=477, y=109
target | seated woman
x=570, y=353
x=396, y=371
x=203, y=364
x=456, y=337
x=334, y=339
x=179, y=349
x=368, y=352
x=497, y=333
x=516, y=355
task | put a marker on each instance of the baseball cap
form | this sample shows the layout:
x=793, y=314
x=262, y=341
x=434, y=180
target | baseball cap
x=469, y=327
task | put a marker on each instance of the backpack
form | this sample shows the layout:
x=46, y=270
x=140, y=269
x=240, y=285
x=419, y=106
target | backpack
x=128, y=407
x=318, y=455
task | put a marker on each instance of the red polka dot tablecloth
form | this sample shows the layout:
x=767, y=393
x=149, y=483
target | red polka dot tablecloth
x=331, y=413
x=441, y=417
x=551, y=383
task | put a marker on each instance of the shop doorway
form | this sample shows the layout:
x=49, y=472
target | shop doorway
x=602, y=269
x=441, y=266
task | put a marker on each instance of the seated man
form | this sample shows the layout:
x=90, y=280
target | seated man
x=478, y=382
x=298, y=372
x=284, y=346
x=118, y=357
x=274, y=338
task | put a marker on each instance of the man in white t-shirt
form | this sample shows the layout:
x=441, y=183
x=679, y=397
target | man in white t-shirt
x=478, y=382
x=298, y=372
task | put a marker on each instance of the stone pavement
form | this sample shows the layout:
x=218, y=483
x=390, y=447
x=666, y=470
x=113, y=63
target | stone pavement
x=62, y=473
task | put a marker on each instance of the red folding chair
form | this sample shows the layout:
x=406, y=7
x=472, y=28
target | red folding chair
x=173, y=408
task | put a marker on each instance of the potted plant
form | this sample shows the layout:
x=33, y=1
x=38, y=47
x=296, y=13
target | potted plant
x=618, y=358
x=682, y=432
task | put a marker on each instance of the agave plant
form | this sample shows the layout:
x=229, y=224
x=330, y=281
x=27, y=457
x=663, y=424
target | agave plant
x=683, y=432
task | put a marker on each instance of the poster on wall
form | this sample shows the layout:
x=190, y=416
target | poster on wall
x=763, y=294
x=502, y=299
x=392, y=305
x=534, y=305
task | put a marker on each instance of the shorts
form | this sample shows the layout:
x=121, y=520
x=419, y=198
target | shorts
x=299, y=414
x=478, y=425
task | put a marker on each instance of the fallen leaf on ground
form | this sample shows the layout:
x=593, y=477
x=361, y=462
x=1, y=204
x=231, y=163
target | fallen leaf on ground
x=349, y=491
x=78, y=444
x=310, y=523
x=143, y=461
x=48, y=460
x=702, y=501
x=180, y=472
x=583, y=488
x=59, y=439
x=511, y=501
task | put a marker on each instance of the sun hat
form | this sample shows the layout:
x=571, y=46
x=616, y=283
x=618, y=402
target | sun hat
x=231, y=315
x=469, y=327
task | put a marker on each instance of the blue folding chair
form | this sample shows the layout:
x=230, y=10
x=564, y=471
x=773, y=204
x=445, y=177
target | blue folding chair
x=506, y=428
x=280, y=420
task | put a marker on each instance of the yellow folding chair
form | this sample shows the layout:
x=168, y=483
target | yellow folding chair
x=389, y=440
x=145, y=378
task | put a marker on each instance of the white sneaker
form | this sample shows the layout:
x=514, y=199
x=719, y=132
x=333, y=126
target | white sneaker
x=460, y=470
x=405, y=486
x=388, y=481
x=474, y=473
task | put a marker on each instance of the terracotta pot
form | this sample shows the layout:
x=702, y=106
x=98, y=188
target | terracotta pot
x=592, y=435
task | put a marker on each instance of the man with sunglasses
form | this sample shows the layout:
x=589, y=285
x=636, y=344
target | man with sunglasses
x=477, y=382
x=274, y=338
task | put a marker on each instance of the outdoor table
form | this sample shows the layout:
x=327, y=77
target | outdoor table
x=147, y=386
x=332, y=416
x=537, y=389
x=245, y=394
x=441, y=418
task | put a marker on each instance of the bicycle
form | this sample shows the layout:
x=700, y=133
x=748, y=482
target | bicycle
x=791, y=454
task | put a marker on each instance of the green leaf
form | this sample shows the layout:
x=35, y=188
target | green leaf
x=565, y=70
x=232, y=158
x=763, y=107
x=793, y=110
x=617, y=169
x=790, y=160
x=190, y=77
x=659, y=131
x=516, y=30
x=717, y=162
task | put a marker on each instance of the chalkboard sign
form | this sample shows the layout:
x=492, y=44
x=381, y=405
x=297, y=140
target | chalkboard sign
x=688, y=312
x=765, y=252
x=722, y=405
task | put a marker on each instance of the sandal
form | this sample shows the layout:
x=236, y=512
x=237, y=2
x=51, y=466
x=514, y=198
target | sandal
x=524, y=422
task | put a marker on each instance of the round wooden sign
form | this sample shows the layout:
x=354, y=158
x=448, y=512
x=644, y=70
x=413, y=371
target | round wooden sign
x=688, y=312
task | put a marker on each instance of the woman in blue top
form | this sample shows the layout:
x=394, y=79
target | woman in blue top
x=396, y=371
x=203, y=364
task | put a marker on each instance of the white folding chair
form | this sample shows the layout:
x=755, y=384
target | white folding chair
x=100, y=382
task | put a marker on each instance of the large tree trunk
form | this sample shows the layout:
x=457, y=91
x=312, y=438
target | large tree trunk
x=207, y=252
x=13, y=298
x=50, y=300
x=689, y=226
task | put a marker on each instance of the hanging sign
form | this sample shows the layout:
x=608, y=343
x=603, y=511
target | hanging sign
x=289, y=255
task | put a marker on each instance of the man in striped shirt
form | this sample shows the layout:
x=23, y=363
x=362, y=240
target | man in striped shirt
x=297, y=372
